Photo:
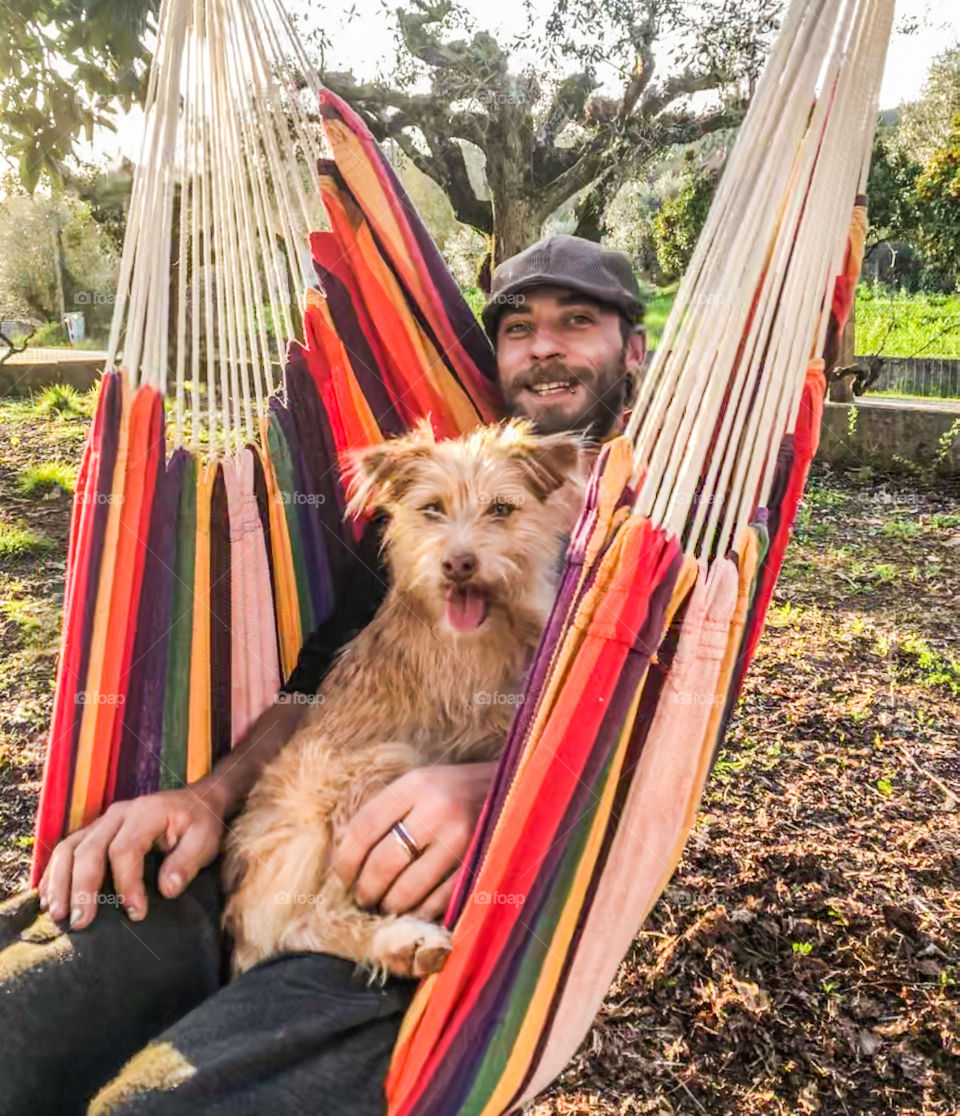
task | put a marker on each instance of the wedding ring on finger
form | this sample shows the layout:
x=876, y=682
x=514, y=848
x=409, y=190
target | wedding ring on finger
x=403, y=835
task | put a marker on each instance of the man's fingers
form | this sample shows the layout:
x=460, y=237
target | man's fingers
x=58, y=876
x=384, y=863
x=369, y=825
x=90, y=866
x=433, y=908
x=126, y=851
x=197, y=848
x=418, y=881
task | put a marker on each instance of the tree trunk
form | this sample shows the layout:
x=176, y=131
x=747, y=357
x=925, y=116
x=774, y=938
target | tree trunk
x=516, y=225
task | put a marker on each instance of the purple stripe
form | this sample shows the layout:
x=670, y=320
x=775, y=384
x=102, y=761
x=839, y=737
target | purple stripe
x=221, y=622
x=153, y=627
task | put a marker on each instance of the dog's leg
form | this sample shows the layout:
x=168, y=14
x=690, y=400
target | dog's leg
x=277, y=858
x=402, y=945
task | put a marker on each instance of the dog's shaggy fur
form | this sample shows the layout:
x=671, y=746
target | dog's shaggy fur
x=474, y=535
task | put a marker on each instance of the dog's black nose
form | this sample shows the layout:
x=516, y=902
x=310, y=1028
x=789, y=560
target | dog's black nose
x=460, y=567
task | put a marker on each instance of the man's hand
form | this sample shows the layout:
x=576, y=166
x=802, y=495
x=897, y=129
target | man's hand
x=440, y=807
x=188, y=825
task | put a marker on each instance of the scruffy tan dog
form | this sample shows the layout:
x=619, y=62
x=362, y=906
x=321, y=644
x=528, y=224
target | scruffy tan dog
x=473, y=543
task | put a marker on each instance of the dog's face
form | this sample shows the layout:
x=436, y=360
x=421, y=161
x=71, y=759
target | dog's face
x=475, y=523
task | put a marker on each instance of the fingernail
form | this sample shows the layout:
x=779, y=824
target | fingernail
x=43, y=902
x=134, y=914
x=173, y=884
x=75, y=916
x=56, y=911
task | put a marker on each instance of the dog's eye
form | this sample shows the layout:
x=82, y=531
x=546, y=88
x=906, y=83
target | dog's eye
x=433, y=510
x=501, y=509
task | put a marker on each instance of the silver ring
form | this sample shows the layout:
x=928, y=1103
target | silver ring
x=403, y=835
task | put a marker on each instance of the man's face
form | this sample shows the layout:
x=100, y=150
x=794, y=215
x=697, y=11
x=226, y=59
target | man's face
x=563, y=362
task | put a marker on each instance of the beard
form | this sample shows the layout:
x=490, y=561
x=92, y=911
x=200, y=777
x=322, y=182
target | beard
x=602, y=395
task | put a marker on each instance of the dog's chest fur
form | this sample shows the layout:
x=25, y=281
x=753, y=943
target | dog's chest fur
x=452, y=700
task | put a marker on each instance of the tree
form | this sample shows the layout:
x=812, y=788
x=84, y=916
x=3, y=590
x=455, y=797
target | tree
x=48, y=243
x=925, y=123
x=548, y=139
x=64, y=69
x=680, y=218
x=938, y=199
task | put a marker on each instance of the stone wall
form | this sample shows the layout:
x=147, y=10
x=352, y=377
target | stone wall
x=884, y=433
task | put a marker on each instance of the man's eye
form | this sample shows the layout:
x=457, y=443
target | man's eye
x=579, y=318
x=500, y=509
x=515, y=329
x=433, y=510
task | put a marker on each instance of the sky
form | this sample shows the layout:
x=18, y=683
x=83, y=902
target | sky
x=365, y=43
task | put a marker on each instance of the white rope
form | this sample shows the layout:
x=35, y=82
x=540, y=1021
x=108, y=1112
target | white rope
x=228, y=138
x=754, y=304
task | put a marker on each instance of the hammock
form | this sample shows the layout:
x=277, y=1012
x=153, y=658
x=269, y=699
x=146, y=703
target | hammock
x=208, y=537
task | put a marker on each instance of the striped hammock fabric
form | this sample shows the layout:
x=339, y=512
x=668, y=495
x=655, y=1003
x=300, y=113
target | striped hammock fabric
x=208, y=534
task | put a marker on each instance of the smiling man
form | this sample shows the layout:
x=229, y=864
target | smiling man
x=299, y=1032
x=564, y=317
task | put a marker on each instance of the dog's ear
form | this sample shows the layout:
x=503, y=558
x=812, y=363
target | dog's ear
x=379, y=475
x=550, y=460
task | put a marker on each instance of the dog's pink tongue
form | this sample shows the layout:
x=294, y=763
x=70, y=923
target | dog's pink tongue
x=466, y=609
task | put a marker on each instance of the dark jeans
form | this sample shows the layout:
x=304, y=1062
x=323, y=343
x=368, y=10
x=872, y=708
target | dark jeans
x=300, y=1033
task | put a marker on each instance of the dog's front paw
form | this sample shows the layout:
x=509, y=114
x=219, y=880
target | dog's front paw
x=410, y=947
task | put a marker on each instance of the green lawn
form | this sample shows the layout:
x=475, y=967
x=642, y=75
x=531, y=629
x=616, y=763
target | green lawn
x=904, y=325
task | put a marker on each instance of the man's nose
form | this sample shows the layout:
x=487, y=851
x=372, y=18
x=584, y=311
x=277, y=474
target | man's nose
x=460, y=566
x=546, y=344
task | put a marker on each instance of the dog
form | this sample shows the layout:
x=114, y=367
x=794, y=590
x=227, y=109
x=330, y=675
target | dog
x=473, y=541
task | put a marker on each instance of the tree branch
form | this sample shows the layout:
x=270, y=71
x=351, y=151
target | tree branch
x=657, y=99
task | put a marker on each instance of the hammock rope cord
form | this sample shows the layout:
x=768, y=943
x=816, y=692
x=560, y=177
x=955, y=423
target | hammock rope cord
x=276, y=272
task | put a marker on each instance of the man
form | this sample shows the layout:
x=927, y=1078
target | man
x=298, y=1031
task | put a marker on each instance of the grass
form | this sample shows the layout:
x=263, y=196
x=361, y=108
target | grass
x=901, y=324
x=19, y=542
x=61, y=399
x=38, y=480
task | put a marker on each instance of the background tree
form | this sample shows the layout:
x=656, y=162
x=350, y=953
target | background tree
x=938, y=200
x=678, y=223
x=924, y=124
x=65, y=67
x=48, y=245
x=550, y=136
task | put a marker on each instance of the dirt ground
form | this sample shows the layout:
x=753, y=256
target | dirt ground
x=805, y=956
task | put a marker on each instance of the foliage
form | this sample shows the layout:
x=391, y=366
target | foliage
x=679, y=221
x=938, y=200
x=891, y=204
x=555, y=136
x=37, y=232
x=64, y=67
x=924, y=124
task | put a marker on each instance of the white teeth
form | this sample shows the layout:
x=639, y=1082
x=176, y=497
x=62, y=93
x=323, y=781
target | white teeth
x=542, y=389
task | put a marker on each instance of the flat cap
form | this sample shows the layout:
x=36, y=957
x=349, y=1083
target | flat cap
x=568, y=261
